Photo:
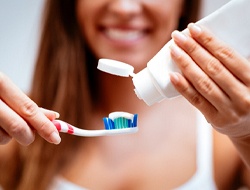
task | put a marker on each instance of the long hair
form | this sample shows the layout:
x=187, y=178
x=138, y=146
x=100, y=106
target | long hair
x=62, y=83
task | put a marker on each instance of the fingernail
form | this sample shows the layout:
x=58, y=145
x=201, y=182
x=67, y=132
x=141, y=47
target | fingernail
x=55, y=138
x=179, y=36
x=194, y=28
x=57, y=115
x=175, y=50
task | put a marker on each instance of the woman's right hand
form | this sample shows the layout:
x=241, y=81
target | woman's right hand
x=20, y=117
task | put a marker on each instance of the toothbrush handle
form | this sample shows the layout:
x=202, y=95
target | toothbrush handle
x=69, y=129
x=63, y=126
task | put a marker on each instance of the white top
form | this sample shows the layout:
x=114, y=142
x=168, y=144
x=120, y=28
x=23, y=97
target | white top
x=202, y=179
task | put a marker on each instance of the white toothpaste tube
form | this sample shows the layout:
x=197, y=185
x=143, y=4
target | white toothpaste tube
x=230, y=23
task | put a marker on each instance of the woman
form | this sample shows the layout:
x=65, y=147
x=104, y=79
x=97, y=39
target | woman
x=166, y=152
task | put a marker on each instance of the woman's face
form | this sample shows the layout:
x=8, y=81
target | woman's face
x=132, y=31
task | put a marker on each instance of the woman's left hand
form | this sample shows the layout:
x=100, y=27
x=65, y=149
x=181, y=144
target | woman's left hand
x=214, y=78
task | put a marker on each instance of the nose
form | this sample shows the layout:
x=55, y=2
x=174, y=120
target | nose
x=125, y=8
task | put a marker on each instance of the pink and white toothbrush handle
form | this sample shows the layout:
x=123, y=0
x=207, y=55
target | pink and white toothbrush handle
x=70, y=129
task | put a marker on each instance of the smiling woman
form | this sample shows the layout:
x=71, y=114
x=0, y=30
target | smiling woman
x=168, y=150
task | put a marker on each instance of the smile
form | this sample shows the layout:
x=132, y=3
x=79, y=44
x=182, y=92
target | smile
x=124, y=35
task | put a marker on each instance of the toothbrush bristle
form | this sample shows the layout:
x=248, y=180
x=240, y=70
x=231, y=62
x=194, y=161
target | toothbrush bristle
x=135, y=119
x=108, y=123
x=120, y=122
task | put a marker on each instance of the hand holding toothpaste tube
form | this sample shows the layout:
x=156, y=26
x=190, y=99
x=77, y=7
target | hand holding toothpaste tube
x=215, y=79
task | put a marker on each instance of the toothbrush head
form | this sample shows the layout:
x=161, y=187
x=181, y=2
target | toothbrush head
x=120, y=120
x=121, y=123
x=117, y=123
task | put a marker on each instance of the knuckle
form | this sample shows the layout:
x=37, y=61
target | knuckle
x=245, y=101
x=234, y=117
x=196, y=99
x=192, y=47
x=204, y=85
x=44, y=130
x=29, y=109
x=183, y=64
x=19, y=131
x=184, y=89
x=193, y=96
x=206, y=41
x=213, y=67
x=225, y=53
x=16, y=128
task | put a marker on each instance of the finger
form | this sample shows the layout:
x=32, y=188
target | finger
x=28, y=110
x=4, y=137
x=50, y=114
x=210, y=65
x=201, y=82
x=15, y=126
x=192, y=95
x=235, y=63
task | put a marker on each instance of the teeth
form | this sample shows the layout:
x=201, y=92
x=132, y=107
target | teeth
x=117, y=34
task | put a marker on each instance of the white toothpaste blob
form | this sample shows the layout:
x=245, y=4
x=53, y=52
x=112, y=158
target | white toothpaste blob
x=126, y=115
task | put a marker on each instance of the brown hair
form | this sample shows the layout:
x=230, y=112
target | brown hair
x=61, y=83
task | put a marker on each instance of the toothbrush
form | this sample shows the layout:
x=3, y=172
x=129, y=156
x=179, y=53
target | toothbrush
x=117, y=123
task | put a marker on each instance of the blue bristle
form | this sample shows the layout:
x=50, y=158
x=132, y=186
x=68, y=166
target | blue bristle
x=135, y=120
x=111, y=123
x=130, y=123
x=108, y=123
x=105, y=121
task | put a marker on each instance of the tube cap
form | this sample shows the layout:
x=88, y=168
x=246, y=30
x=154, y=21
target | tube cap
x=115, y=67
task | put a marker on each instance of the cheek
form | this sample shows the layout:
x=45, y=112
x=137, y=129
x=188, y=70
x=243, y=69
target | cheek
x=166, y=12
x=85, y=11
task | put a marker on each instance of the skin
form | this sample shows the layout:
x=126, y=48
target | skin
x=165, y=146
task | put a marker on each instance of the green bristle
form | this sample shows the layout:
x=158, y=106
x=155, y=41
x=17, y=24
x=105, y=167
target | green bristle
x=121, y=122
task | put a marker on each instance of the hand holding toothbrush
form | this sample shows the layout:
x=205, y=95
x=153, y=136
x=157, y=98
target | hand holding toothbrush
x=20, y=116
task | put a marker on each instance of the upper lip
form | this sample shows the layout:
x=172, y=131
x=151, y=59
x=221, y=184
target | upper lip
x=125, y=26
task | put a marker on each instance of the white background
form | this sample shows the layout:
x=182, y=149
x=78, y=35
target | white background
x=19, y=36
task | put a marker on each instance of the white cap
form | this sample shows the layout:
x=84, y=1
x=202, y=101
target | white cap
x=146, y=88
x=115, y=67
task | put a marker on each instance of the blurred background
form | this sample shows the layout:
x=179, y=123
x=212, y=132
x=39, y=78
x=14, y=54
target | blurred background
x=20, y=31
